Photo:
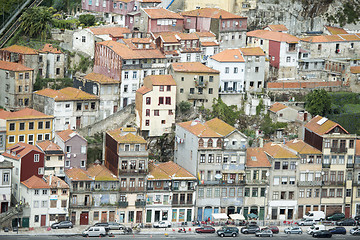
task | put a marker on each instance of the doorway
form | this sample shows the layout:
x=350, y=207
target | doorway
x=43, y=220
x=138, y=216
x=157, y=216
x=84, y=218
x=104, y=216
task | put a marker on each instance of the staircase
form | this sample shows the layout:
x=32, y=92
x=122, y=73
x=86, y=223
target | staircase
x=7, y=216
x=15, y=24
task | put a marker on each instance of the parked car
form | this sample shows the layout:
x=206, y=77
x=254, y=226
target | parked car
x=103, y=224
x=274, y=229
x=315, y=228
x=250, y=229
x=62, y=224
x=162, y=224
x=94, y=231
x=314, y=215
x=304, y=222
x=205, y=229
x=355, y=231
x=264, y=233
x=116, y=226
x=346, y=222
x=228, y=232
x=322, y=234
x=337, y=230
x=336, y=217
x=293, y=230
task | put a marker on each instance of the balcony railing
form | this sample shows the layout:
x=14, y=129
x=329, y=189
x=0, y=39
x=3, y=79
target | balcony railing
x=333, y=183
x=132, y=171
x=257, y=181
x=326, y=165
x=182, y=203
x=140, y=204
x=350, y=165
x=123, y=204
x=196, y=96
x=338, y=150
x=309, y=183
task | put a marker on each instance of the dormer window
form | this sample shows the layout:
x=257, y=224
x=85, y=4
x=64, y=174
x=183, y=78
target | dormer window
x=201, y=142
x=210, y=143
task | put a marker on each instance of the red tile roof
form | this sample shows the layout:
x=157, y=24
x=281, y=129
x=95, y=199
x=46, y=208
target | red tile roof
x=50, y=49
x=100, y=78
x=143, y=90
x=277, y=107
x=278, y=28
x=252, y=51
x=274, y=36
x=127, y=53
x=26, y=113
x=101, y=173
x=229, y=55
x=159, y=13
x=48, y=145
x=332, y=38
x=113, y=31
x=211, y=13
x=256, y=157
x=205, y=34
x=212, y=128
x=196, y=67
x=20, y=150
x=355, y=69
x=120, y=137
x=56, y=182
x=321, y=125
x=20, y=49
x=168, y=170
x=35, y=182
x=16, y=67
x=336, y=30
x=301, y=147
x=66, y=94
x=159, y=80
x=175, y=37
x=277, y=150
x=78, y=174
x=68, y=134
x=209, y=44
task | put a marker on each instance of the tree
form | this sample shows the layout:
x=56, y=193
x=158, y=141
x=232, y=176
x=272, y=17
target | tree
x=36, y=22
x=87, y=20
x=184, y=106
x=229, y=114
x=318, y=102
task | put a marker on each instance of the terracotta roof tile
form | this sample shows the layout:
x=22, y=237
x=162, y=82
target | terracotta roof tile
x=321, y=125
x=35, y=182
x=209, y=44
x=278, y=28
x=125, y=138
x=336, y=30
x=349, y=37
x=66, y=94
x=20, y=150
x=274, y=36
x=26, y=113
x=277, y=150
x=20, y=49
x=16, y=67
x=211, y=13
x=68, y=134
x=220, y=126
x=143, y=90
x=127, y=53
x=301, y=147
x=331, y=38
x=253, y=51
x=355, y=69
x=159, y=13
x=48, y=48
x=100, y=78
x=277, y=107
x=158, y=80
x=113, y=31
x=56, y=182
x=168, y=171
x=48, y=145
x=101, y=173
x=196, y=67
x=205, y=34
x=156, y=173
x=78, y=174
x=256, y=157
x=229, y=55
x=174, y=37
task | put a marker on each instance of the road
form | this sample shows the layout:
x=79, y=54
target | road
x=173, y=236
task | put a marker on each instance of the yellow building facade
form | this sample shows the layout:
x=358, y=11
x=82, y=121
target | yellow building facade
x=27, y=125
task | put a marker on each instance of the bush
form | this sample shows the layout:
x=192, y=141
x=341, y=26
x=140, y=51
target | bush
x=184, y=106
x=87, y=19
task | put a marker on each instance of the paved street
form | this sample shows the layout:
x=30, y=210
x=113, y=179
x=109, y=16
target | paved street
x=171, y=236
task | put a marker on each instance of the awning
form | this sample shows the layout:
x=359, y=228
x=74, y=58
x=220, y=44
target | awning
x=237, y=217
x=219, y=216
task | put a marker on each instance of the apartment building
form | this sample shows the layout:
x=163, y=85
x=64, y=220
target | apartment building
x=54, y=158
x=5, y=185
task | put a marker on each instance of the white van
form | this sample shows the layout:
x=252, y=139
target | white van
x=315, y=215
x=315, y=228
x=94, y=232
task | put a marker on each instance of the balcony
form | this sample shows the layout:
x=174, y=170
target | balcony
x=326, y=165
x=233, y=168
x=130, y=66
x=200, y=83
x=356, y=183
x=257, y=181
x=123, y=204
x=338, y=150
x=292, y=49
x=140, y=204
x=309, y=183
x=349, y=165
x=196, y=96
x=333, y=183
x=182, y=203
x=131, y=171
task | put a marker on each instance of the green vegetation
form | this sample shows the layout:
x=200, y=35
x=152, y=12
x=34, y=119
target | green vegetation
x=84, y=64
x=184, y=107
x=36, y=22
x=269, y=127
x=318, y=102
x=229, y=114
x=348, y=14
x=94, y=151
x=87, y=20
x=65, y=24
x=56, y=84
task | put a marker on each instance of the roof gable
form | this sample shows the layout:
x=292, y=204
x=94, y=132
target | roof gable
x=277, y=107
x=256, y=157
x=211, y=13
x=229, y=55
x=321, y=125
x=16, y=67
x=195, y=67
x=20, y=49
x=66, y=94
x=274, y=36
x=35, y=182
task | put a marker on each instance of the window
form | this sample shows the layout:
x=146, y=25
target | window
x=211, y=158
x=276, y=181
x=148, y=100
x=202, y=158
x=168, y=100
x=285, y=165
x=12, y=126
x=170, y=112
x=68, y=149
x=275, y=195
x=217, y=192
x=227, y=70
x=126, y=75
x=11, y=139
x=53, y=203
x=254, y=192
x=288, y=59
x=284, y=180
x=83, y=38
x=308, y=193
x=277, y=165
x=147, y=122
x=22, y=126
x=351, y=144
x=211, y=90
x=224, y=192
x=236, y=70
x=134, y=74
x=127, y=147
x=161, y=100
x=36, y=157
x=208, y=192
